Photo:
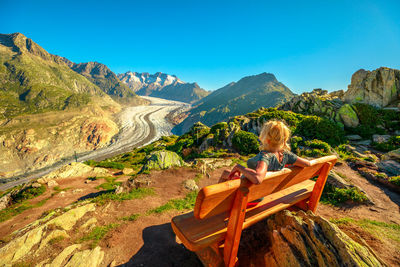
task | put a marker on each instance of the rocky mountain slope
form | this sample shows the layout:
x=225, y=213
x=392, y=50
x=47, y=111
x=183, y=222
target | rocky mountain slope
x=246, y=95
x=48, y=111
x=163, y=86
x=104, y=78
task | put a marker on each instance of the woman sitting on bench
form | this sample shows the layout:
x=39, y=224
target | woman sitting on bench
x=274, y=155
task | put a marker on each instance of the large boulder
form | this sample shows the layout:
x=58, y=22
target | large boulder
x=302, y=239
x=161, y=160
x=379, y=87
x=348, y=116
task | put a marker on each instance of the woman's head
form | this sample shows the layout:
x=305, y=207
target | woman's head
x=274, y=136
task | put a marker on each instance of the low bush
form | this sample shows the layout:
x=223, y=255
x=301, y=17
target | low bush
x=245, y=142
x=336, y=196
x=313, y=127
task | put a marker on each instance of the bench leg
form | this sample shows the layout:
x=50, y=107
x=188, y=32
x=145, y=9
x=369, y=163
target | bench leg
x=211, y=256
x=235, y=225
x=319, y=187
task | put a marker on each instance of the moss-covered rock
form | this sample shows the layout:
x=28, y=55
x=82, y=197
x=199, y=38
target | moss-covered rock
x=161, y=160
x=348, y=116
x=302, y=239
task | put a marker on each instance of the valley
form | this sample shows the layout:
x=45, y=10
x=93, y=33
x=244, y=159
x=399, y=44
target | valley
x=139, y=125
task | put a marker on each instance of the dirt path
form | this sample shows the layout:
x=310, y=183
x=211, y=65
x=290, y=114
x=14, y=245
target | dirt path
x=387, y=203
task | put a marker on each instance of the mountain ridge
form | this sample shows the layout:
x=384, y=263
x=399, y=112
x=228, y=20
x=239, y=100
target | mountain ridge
x=235, y=98
x=163, y=85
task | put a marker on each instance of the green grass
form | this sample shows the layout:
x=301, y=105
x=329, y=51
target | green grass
x=20, y=202
x=186, y=203
x=110, y=184
x=98, y=233
x=56, y=239
x=28, y=193
x=132, y=217
x=378, y=229
x=137, y=193
x=336, y=196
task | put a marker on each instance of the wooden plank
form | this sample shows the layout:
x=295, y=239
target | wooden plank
x=196, y=234
x=319, y=186
x=235, y=226
x=217, y=199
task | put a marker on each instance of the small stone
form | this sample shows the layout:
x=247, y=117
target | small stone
x=36, y=185
x=78, y=190
x=380, y=138
x=88, y=181
x=353, y=137
x=119, y=189
x=190, y=185
x=363, y=142
x=52, y=183
x=62, y=194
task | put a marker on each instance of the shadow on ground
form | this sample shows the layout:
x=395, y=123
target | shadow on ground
x=160, y=249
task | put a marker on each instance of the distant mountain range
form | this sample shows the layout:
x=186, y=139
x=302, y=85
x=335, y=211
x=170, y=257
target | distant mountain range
x=244, y=96
x=34, y=81
x=163, y=85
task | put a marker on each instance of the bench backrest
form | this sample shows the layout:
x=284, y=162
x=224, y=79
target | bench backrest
x=218, y=198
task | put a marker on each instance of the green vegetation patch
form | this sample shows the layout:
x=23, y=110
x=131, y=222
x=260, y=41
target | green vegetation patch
x=110, y=184
x=336, y=196
x=245, y=142
x=98, y=233
x=186, y=203
x=392, y=144
x=395, y=180
x=378, y=229
x=132, y=217
x=137, y=193
x=28, y=193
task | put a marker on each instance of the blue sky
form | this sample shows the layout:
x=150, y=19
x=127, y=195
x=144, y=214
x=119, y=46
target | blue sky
x=306, y=44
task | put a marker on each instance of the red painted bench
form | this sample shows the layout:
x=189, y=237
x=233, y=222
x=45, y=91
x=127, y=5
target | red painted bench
x=214, y=228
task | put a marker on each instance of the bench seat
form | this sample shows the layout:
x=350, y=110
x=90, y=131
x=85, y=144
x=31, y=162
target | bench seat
x=197, y=234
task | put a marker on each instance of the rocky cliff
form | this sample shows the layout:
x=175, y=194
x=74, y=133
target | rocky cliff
x=163, y=85
x=379, y=87
x=36, y=141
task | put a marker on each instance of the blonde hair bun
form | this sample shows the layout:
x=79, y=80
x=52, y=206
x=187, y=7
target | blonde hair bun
x=274, y=135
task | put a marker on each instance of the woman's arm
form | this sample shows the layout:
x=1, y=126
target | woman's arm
x=255, y=176
x=302, y=162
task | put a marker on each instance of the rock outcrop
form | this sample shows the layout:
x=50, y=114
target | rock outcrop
x=379, y=87
x=302, y=239
x=34, y=237
x=74, y=169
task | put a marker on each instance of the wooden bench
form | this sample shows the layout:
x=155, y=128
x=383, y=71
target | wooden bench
x=214, y=228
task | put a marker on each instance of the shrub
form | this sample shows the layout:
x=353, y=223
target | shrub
x=245, y=142
x=313, y=127
x=336, y=196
